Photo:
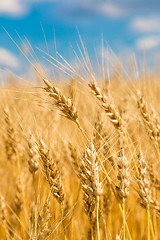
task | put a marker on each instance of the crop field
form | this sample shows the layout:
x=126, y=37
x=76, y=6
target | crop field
x=80, y=158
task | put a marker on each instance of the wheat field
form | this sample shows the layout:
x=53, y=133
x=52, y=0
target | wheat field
x=80, y=159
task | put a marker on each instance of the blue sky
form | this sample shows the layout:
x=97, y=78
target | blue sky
x=128, y=26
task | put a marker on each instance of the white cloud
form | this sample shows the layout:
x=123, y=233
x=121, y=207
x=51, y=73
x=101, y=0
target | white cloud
x=11, y=7
x=8, y=59
x=147, y=24
x=17, y=7
x=109, y=9
x=148, y=43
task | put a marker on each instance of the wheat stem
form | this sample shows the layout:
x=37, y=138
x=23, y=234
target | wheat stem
x=123, y=209
x=130, y=151
x=35, y=205
x=98, y=232
x=63, y=224
x=148, y=222
x=21, y=184
x=152, y=230
x=82, y=131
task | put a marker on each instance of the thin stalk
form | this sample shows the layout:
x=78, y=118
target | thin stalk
x=130, y=151
x=63, y=225
x=35, y=205
x=157, y=151
x=6, y=230
x=154, y=219
x=152, y=230
x=98, y=232
x=92, y=232
x=148, y=223
x=123, y=209
x=82, y=131
x=124, y=219
x=21, y=184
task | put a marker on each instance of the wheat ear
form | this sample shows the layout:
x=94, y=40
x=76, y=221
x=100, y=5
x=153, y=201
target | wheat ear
x=151, y=124
x=144, y=191
x=110, y=110
x=91, y=187
x=10, y=140
x=52, y=173
x=32, y=154
x=64, y=104
x=124, y=182
x=43, y=228
x=113, y=115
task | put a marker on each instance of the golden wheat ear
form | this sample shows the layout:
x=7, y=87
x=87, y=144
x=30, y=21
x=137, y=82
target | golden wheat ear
x=110, y=110
x=89, y=176
x=64, y=104
x=33, y=155
x=52, y=173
